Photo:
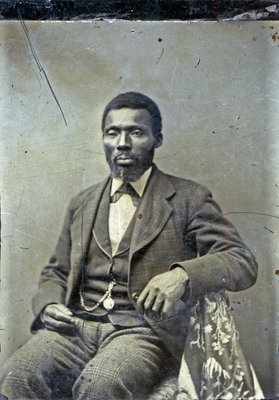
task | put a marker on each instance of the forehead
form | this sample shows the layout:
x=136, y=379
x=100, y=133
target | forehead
x=128, y=116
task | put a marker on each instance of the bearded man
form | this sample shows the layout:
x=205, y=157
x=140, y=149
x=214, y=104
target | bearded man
x=135, y=251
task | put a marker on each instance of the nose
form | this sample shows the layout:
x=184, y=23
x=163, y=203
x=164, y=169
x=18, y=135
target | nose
x=124, y=142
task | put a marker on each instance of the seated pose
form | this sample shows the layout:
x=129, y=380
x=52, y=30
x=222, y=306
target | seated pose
x=136, y=251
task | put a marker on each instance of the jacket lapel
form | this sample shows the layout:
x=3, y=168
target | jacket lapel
x=88, y=216
x=154, y=210
x=100, y=229
x=81, y=233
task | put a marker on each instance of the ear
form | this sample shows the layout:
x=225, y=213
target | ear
x=158, y=140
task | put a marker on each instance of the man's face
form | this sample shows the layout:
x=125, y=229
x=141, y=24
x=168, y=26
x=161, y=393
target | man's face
x=129, y=142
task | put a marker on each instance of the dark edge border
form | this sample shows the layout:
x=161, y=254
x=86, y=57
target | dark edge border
x=139, y=9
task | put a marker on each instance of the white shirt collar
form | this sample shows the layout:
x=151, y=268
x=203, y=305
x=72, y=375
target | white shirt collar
x=138, y=185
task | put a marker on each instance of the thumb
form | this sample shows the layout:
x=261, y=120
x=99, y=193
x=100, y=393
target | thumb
x=62, y=308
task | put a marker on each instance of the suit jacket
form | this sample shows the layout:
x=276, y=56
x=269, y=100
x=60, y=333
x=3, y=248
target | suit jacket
x=178, y=222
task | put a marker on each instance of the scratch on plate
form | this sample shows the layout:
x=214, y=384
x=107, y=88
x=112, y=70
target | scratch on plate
x=173, y=75
x=198, y=62
x=269, y=230
x=252, y=212
x=31, y=236
x=162, y=52
x=41, y=68
x=20, y=202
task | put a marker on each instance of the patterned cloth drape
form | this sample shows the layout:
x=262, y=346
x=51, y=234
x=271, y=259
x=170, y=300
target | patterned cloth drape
x=213, y=365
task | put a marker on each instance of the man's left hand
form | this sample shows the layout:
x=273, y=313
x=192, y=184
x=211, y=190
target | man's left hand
x=159, y=297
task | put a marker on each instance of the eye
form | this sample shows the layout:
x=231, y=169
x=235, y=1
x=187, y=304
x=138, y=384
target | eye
x=111, y=132
x=136, y=132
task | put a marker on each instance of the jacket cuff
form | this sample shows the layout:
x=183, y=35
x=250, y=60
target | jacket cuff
x=206, y=273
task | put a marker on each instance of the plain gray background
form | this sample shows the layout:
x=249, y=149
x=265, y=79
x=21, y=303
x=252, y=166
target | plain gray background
x=217, y=87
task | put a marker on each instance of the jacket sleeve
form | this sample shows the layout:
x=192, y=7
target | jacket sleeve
x=224, y=261
x=54, y=277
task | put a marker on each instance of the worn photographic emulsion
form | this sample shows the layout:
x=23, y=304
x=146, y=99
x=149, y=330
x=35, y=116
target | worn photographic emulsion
x=139, y=209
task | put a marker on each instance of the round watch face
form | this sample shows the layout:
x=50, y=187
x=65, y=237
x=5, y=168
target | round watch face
x=108, y=304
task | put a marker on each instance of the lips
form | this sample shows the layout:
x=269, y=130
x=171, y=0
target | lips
x=125, y=159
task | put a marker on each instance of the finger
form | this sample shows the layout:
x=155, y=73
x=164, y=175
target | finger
x=141, y=300
x=167, y=309
x=60, y=308
x=56, y=314
x=48, y=320
x=58, y=317
x=63, y=318
x=53, y=325
x=149, y=301
x=64, y=309
x=157, y=307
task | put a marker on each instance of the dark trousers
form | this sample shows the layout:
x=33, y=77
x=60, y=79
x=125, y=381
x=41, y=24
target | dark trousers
x=97, y=361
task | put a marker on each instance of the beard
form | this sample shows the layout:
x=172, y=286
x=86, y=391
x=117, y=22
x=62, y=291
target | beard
x=129, y=173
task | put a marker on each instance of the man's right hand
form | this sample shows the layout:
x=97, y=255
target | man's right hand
x=57, y=317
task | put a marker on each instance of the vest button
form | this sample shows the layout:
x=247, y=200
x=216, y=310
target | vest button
x=135, y=296
x=140, y=216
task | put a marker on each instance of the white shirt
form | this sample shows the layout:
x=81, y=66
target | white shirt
x=121, y=212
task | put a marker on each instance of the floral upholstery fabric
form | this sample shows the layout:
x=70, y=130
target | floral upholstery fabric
x=213, y=365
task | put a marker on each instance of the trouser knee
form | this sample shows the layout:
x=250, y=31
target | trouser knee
x=16, y=378
x=101, y=384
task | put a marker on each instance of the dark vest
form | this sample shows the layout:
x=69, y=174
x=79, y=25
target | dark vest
x=101, y=267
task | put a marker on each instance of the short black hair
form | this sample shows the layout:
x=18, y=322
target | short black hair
x=136, y=101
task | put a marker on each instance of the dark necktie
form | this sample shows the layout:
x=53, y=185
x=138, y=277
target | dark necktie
x=126, y=188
